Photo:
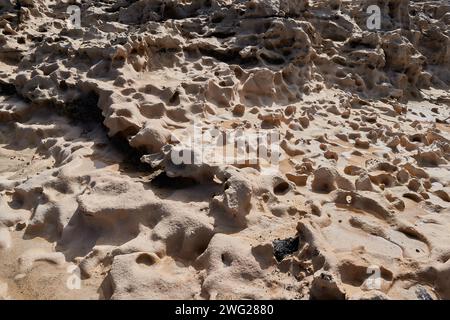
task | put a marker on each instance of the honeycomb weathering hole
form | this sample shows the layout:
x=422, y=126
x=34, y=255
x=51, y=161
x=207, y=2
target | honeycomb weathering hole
x=146, y=259
x=281, y=188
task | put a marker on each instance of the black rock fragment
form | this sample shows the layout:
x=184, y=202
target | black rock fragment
x=282, y=248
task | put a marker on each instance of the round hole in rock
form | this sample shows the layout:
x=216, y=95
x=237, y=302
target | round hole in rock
x=145, y=259
x=226, y=259
x=281, y=188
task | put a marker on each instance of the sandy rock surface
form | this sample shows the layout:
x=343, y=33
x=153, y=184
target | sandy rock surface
x=93, y=206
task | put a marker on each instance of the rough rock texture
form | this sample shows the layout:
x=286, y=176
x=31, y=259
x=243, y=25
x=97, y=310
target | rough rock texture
x=89, y=118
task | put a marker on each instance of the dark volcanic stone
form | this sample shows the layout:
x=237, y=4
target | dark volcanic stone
x=282, y=248
x=422, y=294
